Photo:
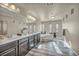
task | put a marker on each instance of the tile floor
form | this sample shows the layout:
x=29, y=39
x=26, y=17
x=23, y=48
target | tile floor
x=51, y=48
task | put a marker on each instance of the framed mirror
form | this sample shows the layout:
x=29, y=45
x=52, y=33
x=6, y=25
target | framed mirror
x=3, y=27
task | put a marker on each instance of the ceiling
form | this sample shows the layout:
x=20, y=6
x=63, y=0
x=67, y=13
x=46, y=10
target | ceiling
x=38, y=10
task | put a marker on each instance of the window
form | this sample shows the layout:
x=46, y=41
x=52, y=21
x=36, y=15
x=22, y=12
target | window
x=30, y=28
x=50, y=28
x=57, y=27
x=43, y=27
x=34, y=28
x=40, y=27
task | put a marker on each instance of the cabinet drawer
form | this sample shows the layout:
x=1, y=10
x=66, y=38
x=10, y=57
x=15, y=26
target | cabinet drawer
x=23, y=49
x=23, y=40
x=7, y=46
x=9, y=52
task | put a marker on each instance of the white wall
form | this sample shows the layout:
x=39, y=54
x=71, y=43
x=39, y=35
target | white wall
x=15, y=23
x=71, y=24
x=13, y=28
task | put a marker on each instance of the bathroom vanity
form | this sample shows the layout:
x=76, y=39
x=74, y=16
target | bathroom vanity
x=19, y=45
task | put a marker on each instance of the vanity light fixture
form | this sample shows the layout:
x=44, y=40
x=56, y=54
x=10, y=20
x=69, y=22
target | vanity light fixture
x=10, y=7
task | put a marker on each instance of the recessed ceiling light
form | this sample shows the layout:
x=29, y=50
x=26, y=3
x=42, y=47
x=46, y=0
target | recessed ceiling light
x=31, y=17
x=52, y=17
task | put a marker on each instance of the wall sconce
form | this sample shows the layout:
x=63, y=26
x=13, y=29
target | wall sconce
x=72, y=11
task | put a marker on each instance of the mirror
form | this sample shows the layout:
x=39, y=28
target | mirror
x=3, y=27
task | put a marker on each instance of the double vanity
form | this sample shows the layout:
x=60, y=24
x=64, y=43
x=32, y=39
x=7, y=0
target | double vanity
x=19, y=45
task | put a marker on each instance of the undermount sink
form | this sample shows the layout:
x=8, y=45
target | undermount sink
x=2, y=37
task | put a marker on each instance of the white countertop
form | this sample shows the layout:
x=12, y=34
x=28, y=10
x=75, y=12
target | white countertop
x=15, y=38
x=46, y=36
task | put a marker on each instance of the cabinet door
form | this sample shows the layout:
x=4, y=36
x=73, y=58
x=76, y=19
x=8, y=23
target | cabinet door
x=31, y=42
x=23, y=47
x=0, y=27
x=7, y=46
x=36, y=40
x=8, y=49
x=9, y=52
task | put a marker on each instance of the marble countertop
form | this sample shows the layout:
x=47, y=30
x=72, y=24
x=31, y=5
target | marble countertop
x=15, y=38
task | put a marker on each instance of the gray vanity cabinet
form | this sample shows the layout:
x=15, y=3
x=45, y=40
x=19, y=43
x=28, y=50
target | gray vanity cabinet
x=19, y=47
